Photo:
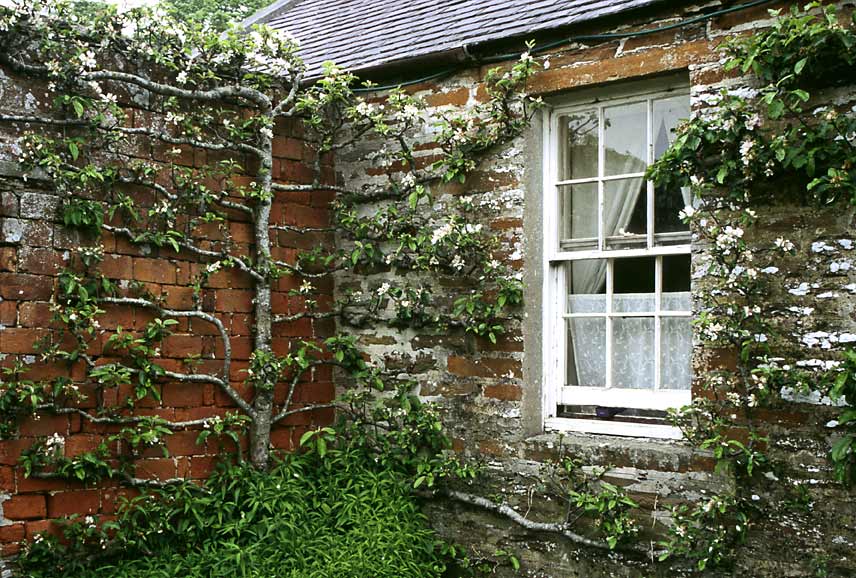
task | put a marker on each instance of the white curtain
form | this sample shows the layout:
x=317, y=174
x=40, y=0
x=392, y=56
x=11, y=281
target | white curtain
x=632, y=342
x=618, y=206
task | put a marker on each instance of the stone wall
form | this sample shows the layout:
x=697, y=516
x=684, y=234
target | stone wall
x=491, y=393
x=35, y=246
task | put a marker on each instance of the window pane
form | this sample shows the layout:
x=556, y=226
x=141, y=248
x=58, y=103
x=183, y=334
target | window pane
x=625, y=138
x=587, y=286
x=624, y=211
x=676, y=283
x=578, y=205
x=633, y=352
x=676, y=338
x=578, y=145
x=633, y=285
x=668, y=112
x=587, y=352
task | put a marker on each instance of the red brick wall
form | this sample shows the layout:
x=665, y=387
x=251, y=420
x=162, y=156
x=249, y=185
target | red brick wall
x=34, y=247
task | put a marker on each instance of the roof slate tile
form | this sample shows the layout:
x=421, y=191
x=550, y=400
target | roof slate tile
x=360, y=34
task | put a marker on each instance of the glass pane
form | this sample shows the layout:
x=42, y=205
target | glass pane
x=668, y=112
x=586, y=286
x=624, y=211
x=587, y=352
x=578, y=154
x=676, y=283
x=676, y=342
x=633, y=285
x=578, y=205
x=625, y=138
x=633, y=352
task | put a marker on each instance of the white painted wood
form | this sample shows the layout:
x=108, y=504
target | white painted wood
x=558, y=251
x=614, y=428
x=662, y=399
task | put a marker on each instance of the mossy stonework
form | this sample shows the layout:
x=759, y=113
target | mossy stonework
x=797, y=516
x=407, y=246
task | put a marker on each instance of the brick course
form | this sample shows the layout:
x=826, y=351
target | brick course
x=35, y=246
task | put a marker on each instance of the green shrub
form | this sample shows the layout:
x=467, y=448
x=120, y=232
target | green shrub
x=339, y=515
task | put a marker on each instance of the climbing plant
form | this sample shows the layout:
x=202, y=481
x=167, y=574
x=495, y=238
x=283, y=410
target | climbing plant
x=224, y=95
x=229, y=94
x=771, y=143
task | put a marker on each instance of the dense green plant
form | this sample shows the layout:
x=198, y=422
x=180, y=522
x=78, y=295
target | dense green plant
x=218, y=14
x=335, y=513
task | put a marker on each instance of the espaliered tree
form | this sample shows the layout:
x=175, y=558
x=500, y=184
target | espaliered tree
x=190, y=89
x=780, y=140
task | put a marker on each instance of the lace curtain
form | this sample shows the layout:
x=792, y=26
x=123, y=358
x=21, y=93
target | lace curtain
x=632, y=342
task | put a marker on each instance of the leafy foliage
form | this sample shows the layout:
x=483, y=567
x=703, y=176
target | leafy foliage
x=749, y=147
x=332, y=513
x=843, y=451
x=217, y=14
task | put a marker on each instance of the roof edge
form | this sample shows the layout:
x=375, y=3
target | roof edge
x=262, y=14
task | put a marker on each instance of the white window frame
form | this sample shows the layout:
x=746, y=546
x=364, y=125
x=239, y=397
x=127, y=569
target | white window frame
x=555, y=316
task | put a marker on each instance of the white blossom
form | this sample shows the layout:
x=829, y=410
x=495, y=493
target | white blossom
x=441, y=233
x=784, y=244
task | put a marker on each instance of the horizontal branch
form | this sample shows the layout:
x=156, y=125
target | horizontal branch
x=284, y=414
x=211, y=146
x=194, y=378
x=298, y=271
x=44, y=120
x=219, y=255
x=513, y=515
x=305, y=315
x=123, y=420
x=147, y=483
x=315, y=186
x=212, y=95
x=293, y=229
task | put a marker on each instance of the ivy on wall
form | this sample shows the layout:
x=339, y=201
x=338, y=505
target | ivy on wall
x=775, y=144
x=223, y=95
x=767, y=145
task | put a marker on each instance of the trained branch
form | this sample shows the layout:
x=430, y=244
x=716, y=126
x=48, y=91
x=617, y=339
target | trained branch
x=44, y=120
x=212, y=95
x=124, y=420
x=194, y=378
x=211, y=146
x=219, y=255
x=305, y=315
x=284, y=414
x=509, y=512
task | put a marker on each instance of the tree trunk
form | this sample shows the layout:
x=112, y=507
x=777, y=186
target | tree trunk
x=263, y=402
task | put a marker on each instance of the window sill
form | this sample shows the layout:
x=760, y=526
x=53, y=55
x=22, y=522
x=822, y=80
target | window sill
x=612, y=428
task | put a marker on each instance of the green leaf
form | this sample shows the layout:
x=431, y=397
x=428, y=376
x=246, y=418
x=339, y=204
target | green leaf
x=306, y=437
x=841, y=448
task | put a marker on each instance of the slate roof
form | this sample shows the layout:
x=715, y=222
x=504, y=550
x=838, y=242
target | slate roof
x=361, y=34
